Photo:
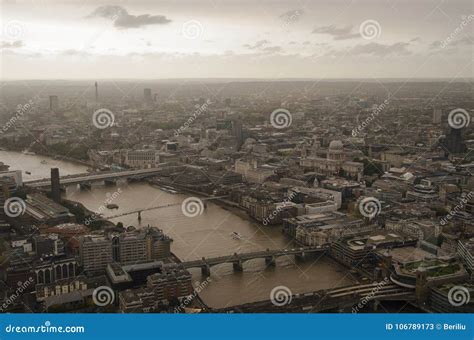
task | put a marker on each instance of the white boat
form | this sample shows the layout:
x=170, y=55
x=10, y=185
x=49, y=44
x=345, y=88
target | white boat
x=236, y=236
x=44, y=162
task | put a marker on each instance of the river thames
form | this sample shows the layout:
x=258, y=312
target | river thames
x=201, y=236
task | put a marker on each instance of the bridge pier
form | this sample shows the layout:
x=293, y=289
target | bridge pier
x=85, y=186
x=270, y=261
x=238, y=267
x=110, y=181
x=206, y=270
x=300, y=257
x=139, y=216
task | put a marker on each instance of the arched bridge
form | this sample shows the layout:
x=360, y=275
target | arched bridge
x=238, y=259
x=356, y=296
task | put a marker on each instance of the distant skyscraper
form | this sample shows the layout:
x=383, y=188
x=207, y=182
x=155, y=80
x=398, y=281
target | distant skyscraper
x=53, y=103
x=96, y=92
x=237, y=132
x=453, y=142
x=147, y=96
x=436, y=116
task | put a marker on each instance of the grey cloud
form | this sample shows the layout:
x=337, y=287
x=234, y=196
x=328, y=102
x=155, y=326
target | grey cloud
x=258, y=45
x=376, y=49
x=338, y=33
x=75, y=53
x=122, y=19
x=272, y=49
x=14, y=44
x=263, y=46
x=435, y=44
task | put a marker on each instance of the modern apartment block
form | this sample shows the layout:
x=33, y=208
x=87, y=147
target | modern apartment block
x=147, y=244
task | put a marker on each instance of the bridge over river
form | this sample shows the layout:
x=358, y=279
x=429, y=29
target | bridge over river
x=87, y=178
x=238, y=260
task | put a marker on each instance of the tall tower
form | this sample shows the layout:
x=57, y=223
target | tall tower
x=53, y=103
x=436, y=116
x=55, y=185
x=147, y=96
x=96, y=92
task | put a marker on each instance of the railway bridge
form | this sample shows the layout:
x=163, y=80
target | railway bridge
x=238, y=260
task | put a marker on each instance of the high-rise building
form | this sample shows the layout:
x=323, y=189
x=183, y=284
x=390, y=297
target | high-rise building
x=95, y=253
x=96, y=92
x=173, y=282
x=53, y=103
x=436, y=116
x=453, y=142
x=147, y=244
x=147, y=96
x=237, y=132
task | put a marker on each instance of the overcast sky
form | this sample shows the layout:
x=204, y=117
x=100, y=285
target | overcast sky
x=43, y=39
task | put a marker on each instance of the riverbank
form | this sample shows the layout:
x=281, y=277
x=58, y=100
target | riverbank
x=54, y=156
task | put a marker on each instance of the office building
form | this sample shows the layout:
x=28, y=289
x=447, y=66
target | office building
x=53, y=103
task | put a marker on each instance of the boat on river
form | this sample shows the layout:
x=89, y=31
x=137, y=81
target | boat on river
x=236, y=236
